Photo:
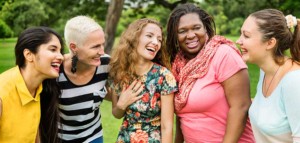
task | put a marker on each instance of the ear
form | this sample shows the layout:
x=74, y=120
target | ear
x=73, y=47
x=29, y=56
x=271, y=43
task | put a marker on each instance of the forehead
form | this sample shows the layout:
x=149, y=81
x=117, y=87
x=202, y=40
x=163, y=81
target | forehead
x=152, y=28
x=189, y=19
x=54, y=41
x=250, y=24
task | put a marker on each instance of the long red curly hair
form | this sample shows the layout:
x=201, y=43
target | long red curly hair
x=124, y=56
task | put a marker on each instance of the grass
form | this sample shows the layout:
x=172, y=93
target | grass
x=110, y=124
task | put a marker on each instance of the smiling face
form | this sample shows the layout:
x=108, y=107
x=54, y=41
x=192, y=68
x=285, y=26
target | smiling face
x=91, y=50
x=191, y=34
x=150, y=41
x=252, y=46
x=48, y=58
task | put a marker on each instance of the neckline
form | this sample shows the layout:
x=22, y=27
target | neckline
x=279, y=83
x=79, y=85
x=268, y=87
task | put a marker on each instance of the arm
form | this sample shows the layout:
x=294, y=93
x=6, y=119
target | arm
x=108, y=96
x=237, y=91
x=178, y=134
x=37, y=139
x=167, y=118
x=127, y=97
x=291, y=98
x=0, y=107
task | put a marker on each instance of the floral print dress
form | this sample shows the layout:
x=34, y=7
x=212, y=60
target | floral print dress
x=142, y=118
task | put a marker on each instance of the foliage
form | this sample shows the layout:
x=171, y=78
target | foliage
x=5, y=31
x=60, y=11
x=23, y=14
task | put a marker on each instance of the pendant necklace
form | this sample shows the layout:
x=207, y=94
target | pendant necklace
x=270, y=81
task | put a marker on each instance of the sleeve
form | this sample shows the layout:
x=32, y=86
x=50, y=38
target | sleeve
x=227, y=62
x=291, y=100
x=169, y=84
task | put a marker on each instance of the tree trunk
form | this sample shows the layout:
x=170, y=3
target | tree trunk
x=112, y=18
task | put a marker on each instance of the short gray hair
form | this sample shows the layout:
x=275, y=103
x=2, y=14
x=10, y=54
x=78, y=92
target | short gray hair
x=78, y=28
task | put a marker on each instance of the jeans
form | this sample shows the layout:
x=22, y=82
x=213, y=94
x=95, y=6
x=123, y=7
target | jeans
x=97, y=140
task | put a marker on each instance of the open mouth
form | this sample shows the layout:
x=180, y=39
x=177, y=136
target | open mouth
x=193, y=44
x=243, y=51
x=55, y=66
x=151, y=49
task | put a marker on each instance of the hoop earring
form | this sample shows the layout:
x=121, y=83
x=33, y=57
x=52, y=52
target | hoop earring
x=74, y=63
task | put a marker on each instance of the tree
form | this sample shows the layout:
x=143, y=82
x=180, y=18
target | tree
x=23, y=14
x=115, y=11
x=112, y=18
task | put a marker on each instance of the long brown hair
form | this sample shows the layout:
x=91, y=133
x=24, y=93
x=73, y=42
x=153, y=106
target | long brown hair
x=272, y=23
x=124, y=56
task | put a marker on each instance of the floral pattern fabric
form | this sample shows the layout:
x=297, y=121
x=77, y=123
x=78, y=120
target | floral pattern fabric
x=141, y=122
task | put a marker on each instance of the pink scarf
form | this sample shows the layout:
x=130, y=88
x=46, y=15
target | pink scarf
x=187, y=72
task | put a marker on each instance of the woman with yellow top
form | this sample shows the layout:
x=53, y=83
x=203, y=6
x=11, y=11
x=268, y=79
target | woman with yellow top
x=38, y=57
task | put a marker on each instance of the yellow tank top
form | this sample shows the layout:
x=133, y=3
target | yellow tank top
x=20, y=117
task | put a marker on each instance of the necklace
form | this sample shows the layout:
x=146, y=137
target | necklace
x=270, y=81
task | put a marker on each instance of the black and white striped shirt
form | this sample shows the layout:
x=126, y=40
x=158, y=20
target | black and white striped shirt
x=79, y=105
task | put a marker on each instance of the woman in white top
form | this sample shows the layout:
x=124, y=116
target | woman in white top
x=275, y=111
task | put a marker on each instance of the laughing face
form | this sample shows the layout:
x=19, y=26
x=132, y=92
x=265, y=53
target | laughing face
x=150, y=41
x=91, y=50
x=48, y=58
x=251, y=44
x=191, y=34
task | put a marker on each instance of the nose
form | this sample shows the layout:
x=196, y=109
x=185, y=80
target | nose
x=190, y=34
x=60, y=57
x=155, y=41
x=239, y=41
x=101, y=50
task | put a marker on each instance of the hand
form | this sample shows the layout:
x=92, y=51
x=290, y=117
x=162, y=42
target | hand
x=130, y=95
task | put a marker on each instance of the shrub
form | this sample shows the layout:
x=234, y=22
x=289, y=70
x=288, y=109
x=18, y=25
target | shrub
x=5, y=31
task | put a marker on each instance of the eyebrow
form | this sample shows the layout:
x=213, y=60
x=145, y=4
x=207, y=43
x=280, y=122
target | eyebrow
x=183, y=27
x=97, y=45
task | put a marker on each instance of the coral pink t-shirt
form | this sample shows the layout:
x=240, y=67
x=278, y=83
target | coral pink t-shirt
x=203, y=119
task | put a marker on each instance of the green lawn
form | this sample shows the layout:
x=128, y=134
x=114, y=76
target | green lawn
x=110, y=124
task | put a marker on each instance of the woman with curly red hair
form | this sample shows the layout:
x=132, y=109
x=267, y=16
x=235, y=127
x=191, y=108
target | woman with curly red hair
x=143, y=85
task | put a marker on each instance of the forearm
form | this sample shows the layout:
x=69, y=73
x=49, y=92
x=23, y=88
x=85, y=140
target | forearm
x=178, y=134
x=37, y=139
x=118, y=112
x=236, y=122
x=167, y=134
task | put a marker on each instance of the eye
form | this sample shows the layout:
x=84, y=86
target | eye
x=53, y=49
x=197, y=28
x=246, y=36
x=181, y=31
x=149, y=36
x=160, y=40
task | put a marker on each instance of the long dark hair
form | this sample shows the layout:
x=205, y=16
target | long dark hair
x=49, y=112
x=31, y=39
x=173, y=22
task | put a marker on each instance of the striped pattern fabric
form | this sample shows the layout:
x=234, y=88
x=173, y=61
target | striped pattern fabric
x=79, y=105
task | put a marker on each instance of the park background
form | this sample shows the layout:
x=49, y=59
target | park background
x=114, y=16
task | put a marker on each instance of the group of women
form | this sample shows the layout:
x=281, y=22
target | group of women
x=200, y=76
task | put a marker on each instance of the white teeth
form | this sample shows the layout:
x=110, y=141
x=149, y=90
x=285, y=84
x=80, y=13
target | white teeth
x=151, y=49
x=55, y=64
x=192, y=44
